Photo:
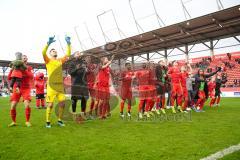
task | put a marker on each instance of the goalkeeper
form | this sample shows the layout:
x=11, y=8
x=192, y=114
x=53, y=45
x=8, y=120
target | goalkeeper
x=55, y=87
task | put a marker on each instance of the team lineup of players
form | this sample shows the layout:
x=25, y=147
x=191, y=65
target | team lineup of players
x=189, y=90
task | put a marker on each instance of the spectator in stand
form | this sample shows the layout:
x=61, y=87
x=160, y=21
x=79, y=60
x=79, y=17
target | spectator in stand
x=237, y=60
x=229, y=56
x=210, y=59
x=235, y=83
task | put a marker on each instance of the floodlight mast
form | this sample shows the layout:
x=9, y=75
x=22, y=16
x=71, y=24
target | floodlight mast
x=81, y=45
x=89, y=35
x=134, y=17
x=159, y=19
x=185, y=11
x=100, y=25
x=219, y=5
x=60, y=43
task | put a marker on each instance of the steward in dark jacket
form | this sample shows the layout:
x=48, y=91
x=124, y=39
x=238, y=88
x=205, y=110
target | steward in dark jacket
x=79, y=90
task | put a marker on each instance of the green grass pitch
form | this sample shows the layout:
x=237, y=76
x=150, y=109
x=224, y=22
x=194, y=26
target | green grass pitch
x=207, y=133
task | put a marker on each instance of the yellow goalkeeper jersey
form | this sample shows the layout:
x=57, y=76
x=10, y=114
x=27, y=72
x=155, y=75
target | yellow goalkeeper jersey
x=54, y=70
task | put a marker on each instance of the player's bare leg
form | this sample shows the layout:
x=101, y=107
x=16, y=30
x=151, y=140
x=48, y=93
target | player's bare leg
x=27, y=113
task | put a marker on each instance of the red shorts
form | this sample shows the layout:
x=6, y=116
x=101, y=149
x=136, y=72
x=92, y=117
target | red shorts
x=177, y=89
x=24, y=93
x=103, y=92
x=185, y=92
x=147, y=92
x=92, y=90
x=212, y=94
x=126, y=93
x=201, y=94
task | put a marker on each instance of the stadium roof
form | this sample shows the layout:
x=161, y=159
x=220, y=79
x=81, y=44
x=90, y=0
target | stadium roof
x=213, y=26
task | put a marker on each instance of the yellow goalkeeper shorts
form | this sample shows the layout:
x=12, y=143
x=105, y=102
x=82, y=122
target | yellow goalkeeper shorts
x=55, y=93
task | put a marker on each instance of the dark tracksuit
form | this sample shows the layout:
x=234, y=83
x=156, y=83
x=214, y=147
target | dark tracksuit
x=79, y=88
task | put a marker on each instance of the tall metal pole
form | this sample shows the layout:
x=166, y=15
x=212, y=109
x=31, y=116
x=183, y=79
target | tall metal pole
x=85, y=24
x=187, y=52
x=99, y=23
x=219, y=4
x=211, y=48
x=75, y=29
x=158, y=17
x=185, y=11
x=135, y=20
x=119, y=31
x=60, y=44
x=166, y=55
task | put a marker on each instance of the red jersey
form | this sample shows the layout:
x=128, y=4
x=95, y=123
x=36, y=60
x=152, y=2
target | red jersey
x=39, y=85
x=27, y=76
x=175, y=75
x=184, y=77
x=91, y=75
x=143, y=77
x=127, y=79
x=103, y=77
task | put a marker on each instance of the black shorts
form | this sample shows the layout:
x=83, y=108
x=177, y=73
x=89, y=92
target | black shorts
x=217, y=93
x=79, y=97
x=40, y=96
x=161, y=89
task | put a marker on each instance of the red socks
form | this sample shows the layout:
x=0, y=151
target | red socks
x=129, y=107
x=13, y=114
x=172, y=99
x=163, y=102
x=185, y=104
x=103, y=109
x=179, y=100
x=151, y=105
x=212, y=102
x=38, y=101
x=27, y=113
x=121, y=106
x=43, y=102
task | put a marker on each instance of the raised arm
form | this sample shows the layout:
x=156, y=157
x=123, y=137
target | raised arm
x=106, y=65
x=190, y=67
x=44, y=52
x=68, y=53
x=213, y=73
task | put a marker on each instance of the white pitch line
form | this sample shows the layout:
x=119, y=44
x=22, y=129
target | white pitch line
x=222, y=153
